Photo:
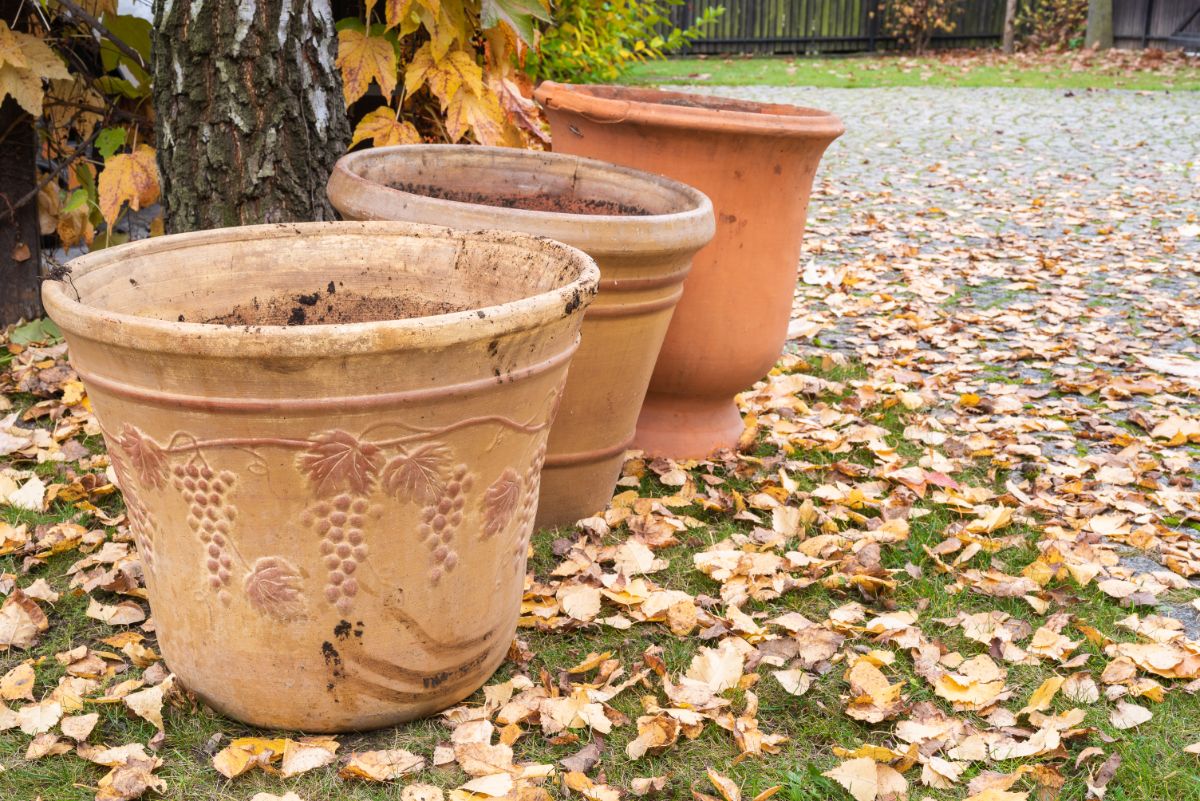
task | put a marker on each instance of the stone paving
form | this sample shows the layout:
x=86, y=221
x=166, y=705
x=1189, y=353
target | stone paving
x=1042, y=243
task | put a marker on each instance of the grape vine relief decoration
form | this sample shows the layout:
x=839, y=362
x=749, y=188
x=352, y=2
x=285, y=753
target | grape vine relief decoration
x=351, y=479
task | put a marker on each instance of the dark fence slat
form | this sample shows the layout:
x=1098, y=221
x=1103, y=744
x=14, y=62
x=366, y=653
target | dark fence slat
x=847, y=26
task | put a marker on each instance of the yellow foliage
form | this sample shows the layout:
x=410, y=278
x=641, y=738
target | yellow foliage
x=128, y=178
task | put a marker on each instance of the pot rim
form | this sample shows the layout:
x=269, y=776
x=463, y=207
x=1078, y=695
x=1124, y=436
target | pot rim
x=151, y=334
x=650, y=107
x=688, y=228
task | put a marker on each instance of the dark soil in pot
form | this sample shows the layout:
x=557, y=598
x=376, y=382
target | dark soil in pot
x=561, y=203
x=326, y=308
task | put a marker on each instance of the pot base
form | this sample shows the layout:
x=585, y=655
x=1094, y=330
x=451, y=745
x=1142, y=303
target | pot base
x=571, y=492
x=687, y=428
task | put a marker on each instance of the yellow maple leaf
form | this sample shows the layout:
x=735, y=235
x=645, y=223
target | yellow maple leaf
x=382, y=128
x=446, y=77
x=363, y=59
x=24, y=61
x=128, y=177
x=397, y=12
x=468, y=112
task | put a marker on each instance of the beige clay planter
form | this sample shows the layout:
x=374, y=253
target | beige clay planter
x=641, y=229
x=333, y=518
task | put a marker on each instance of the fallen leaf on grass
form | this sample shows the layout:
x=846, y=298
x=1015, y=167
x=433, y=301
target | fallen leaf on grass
x=78, y=727
x=381, y=766
x=993, y=794
x=46, y=744
x=796, y=682
x=147, y=705
x=497, y=785
x=245, y=753
x=305, y=754
x=21, y=620
x=130, y=780
x=124, y=613
x=650, y=785
x=17, y=683
x=1127, y=715
x=1081, y=688
x=1043, y=696
x=39, y=717
x=583, y=760
x=867, y=780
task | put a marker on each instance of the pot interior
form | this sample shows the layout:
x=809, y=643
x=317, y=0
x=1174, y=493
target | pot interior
x=525, y=180
x=319, y=274
x=687, y=100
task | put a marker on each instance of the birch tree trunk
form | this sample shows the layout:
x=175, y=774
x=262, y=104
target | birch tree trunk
x=20, y=255
x=248, y=107
x=1010, y=20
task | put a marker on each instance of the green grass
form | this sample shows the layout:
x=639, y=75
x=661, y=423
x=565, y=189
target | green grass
x=864, y=72
x=1154, y=765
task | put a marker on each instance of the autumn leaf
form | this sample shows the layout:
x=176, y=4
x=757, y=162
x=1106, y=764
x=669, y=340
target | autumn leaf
x=130, y=780
x=455, y=72
x=338, y=461
x=363, y=58
x=381, y=766
x=1127, y=715
x=381, y=128
x=858, y=776
x=519, y=15
x=481, y=116
x=128, y=178
x=25, y=60
x=395, y=12
x=18, y=683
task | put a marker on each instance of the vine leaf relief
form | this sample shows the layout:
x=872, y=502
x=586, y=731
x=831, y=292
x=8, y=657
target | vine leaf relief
x=146, y=458
x=500, y=503
x=337, y=461
x=274, y=587
x=420, y=474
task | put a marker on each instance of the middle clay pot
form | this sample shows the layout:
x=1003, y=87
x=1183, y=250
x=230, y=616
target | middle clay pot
x=641, y=229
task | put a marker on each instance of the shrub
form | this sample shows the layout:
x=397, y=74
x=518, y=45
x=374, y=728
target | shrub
x=914, y=22
x=444, y=69
x=1052, y=24
x=595, y=41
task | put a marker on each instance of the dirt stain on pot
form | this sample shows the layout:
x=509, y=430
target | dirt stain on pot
x=333, y=660
x=563, y=203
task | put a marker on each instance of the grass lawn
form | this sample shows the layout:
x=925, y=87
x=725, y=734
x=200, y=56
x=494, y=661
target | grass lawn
x=1154, y=764
x=1121, y=70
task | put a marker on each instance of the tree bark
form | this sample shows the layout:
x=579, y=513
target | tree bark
x=1010, y=21
x=1100, y=24
x=248, y=107
x=20, y=236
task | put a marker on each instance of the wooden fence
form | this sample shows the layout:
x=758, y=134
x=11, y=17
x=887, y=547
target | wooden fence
x=847, y=26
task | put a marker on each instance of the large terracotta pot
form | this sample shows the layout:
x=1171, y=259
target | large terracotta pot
x=756, y=162
x=642, y=231
x=333, y=518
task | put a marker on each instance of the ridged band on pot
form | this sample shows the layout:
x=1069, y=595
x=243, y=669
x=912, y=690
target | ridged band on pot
x=641, y=229
x=756, y=161
x=333, y=519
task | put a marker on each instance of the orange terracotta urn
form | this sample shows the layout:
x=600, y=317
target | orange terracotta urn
x=328, y=437
x=641, y=229
x=756, y=162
